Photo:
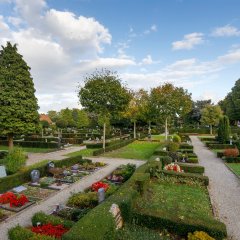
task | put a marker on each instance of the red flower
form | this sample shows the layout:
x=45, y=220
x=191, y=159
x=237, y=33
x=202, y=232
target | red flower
x=98, y=185
x=48, y=229
x=13, y=200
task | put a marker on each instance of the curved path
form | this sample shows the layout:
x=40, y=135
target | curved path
x=24, y=218
x=56, y=155
x=224, y=188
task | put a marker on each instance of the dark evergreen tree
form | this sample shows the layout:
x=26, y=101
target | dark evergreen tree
x=223, y=130
x=18, y=104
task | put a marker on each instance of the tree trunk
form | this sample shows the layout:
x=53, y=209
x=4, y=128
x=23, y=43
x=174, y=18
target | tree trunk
x=211, y=129
x=166, y=129
x=149, y=127
x=134, y=130
x=10, y=141
x=104, y=136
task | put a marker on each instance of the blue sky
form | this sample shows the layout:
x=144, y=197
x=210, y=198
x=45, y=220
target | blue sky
x=191, y=43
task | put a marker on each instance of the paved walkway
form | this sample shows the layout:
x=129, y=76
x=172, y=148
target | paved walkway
x=24, y=218
x=224, y=188
x=56, y=155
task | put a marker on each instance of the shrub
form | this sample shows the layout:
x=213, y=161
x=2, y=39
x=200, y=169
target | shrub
x=185, y=146
x=83, y=200
x=19, y=233
x=15, y=159
x=231, y=152
x=175, y=156
x=3, y=154
x=166, y=160
x=172, y=146
x=199, y=235
x=223, y=130
x=176, y=138
x=54, y=220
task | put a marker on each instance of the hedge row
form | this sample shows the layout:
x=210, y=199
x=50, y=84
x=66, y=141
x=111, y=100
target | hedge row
x=3, y=154
x=72, y=140
x=205, y=139
x=232, y=159
x=185, y=146
x=185, y=150
x=113, y=147
x=191, y=168
x=33, y=144
x=220, y=146
x=220, y=154
x=41, y=139
x=23, y=176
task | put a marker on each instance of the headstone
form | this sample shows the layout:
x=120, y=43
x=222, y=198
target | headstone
x=115, y=210
x=3, y=172
x=157, y=159
x=19, y=189
x=35, y=176
x=101, y=195
x=50, y=165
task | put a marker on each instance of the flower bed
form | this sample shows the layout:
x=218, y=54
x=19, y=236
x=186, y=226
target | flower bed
x=50, y=230
x=173, y=167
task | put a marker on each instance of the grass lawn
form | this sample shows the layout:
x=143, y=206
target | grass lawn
x=136, y=150
x=161, y=138
x=88, y=152
x=32, y=150
x=235, y=167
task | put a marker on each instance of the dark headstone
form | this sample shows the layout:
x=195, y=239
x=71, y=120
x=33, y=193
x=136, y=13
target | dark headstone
x=35, y=176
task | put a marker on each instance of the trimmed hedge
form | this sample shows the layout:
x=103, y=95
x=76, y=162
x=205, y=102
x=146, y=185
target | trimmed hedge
x=33, y=144
x=192, y=160
x=153, y=221
x=113, y=147
x=185, y=146
x=185, y=150
x=23, y=176
x=188, y=168
x=41, y=139
x=232, y=159
x=220, y=154
x=3, y=154
x=205, y=139
x=220, y=146
x=160, y=152
x=72, y=140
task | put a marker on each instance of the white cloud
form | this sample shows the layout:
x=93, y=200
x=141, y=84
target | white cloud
x=189, y=41
x=147, y=60
x=153, y=28
x=226, y=31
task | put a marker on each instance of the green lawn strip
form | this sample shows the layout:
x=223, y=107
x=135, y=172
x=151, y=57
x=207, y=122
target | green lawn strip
x=178, y=206
x=32, y=150
x=136, y=150
x=161, y=138
x=235, y=167
x=88, y=152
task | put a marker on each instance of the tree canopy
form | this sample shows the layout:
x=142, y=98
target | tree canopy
x=211, y=115
x=18, y=104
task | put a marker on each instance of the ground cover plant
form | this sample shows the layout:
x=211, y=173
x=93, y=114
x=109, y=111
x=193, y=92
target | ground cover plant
x=136, y=150
x=84, y=152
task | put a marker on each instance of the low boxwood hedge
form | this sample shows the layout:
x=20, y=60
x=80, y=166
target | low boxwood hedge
x=192, y=160
x=23, y=176
x=185, y=146
x=232, y=159
x=160, y=152
x=220, y=154
x=72, y=140
x=220, y=146
x=188, y=168
x=33, y=144
x=185, y=150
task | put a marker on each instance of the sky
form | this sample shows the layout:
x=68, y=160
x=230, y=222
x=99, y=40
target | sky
x=194, y=44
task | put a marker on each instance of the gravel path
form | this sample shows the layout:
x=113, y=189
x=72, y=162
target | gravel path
x=56, y=155
x=224, y=188
x=24, y=218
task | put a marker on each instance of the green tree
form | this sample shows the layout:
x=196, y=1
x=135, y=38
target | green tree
x=18, y=104
x=54, y=115
x=83, y=119
x=223, y=130
x=211, y=115
x=168, y=101
x=135, y=108
x=66, y=115
x=104, y=94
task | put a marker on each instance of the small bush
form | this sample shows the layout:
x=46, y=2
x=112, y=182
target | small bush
x=176, y=138
x=172, y=146
x=234, y=152
x=175, y=156
x=19, y=233
x=54, y=220
x=199, y=235
x=166, y=160
x=15, y=160
x=83, y=200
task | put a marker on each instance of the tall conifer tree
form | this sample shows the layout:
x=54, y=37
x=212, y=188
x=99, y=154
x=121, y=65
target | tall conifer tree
x=18, y=104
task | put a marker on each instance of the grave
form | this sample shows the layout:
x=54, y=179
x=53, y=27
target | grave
x=3, y=172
